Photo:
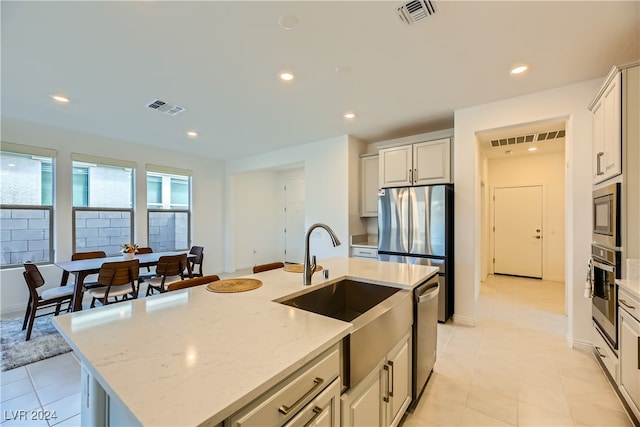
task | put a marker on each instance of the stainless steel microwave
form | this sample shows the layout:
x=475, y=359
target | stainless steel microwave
x=606, y=216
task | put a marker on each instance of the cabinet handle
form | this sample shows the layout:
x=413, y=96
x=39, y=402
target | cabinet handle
x=410, y=176
x=316, y=413
x=599, y=354
x=391, y=381
x=415, y=175
x=284, y=409
x=386, y=398
x=623, y=302
x=598, y=157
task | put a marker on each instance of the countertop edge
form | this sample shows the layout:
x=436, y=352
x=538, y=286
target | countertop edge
x=631, y=286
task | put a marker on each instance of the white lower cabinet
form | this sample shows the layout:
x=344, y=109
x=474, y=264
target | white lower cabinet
x=602, y=351
x=399, y=363
x=360, y=252
x=315, y=385
x=382, y=398
x=323, y=411
x=630, y=352
x=362, y=405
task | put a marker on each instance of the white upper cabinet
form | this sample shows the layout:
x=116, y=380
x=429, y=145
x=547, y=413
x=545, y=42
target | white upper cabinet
x=369, y=186
x=607, y=131
x=431, y=162
x=396, y=166
x=416, y=164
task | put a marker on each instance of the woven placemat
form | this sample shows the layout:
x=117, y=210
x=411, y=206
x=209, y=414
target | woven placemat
x=298, y=268
x=234, y=285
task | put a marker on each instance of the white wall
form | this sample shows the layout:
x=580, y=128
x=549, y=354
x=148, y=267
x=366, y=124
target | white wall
x=569, y=103
x=258, y=207
x=546, y=170
x=207, y=190
x=327, y=168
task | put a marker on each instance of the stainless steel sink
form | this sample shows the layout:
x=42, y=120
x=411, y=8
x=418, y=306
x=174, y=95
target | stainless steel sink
x=343, y=300
x=380, y=316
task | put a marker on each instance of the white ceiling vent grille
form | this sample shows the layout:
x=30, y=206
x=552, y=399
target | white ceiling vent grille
x=163, y=107
x=533, y=137
x=415, y=10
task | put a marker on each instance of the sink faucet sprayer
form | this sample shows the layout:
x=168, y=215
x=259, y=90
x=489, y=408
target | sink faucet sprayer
x=310, y=264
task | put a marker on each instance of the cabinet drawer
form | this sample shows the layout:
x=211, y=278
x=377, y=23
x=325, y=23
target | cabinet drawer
x=605, y=354
x=364, y=252
x=283, y=401
x=629, y=303
x=324, y=410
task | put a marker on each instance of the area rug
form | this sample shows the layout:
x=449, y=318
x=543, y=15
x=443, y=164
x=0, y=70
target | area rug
x=45, y=342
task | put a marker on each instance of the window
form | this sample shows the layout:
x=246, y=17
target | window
x=26, y=202
x=169, y=209
x=102, y=204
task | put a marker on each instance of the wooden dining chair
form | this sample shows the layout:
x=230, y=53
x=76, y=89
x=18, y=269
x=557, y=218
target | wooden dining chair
x=170, y=268
x=117, y=279
x=266, y=267
x=188, y=283
x=149, y=273
x=42, y=299
x=196, y=261
x=93, y=282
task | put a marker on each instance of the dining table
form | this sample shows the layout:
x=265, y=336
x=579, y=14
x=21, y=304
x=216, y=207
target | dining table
x=84, y=267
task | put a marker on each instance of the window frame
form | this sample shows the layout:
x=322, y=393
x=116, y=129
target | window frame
x=45, y=153
x=171, y=173
x=104, y=162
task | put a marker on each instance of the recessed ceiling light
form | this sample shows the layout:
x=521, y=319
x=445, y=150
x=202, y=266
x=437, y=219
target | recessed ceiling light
x=287, y=76
x=60, y=98
x=288, y=21
x=532, y=148
x=349, y=115
x=519, y=69
x=12, y=165
x=192, y=133
x=343, y=70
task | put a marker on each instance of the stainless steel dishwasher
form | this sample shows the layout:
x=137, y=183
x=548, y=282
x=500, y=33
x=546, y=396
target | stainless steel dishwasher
x=425, y=333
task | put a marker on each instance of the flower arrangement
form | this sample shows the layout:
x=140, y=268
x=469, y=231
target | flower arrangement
x=129, y=248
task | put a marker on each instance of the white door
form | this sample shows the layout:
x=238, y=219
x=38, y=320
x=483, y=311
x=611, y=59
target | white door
x=518, y=231
x=294, y=220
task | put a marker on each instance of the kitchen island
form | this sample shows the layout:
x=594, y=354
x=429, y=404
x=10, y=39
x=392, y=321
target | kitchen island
x=194, y=357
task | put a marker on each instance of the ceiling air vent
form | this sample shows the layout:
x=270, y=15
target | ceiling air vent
x=415, y=10
x=163, y=107
x=521, y=139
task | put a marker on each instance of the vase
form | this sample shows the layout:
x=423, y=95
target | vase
x=128, y=255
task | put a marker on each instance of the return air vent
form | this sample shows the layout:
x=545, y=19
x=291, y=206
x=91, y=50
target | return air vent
x=415, y=10
x=521, y=139
x=163, y=107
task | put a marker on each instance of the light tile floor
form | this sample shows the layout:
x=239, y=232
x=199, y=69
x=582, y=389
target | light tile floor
x=513, y=369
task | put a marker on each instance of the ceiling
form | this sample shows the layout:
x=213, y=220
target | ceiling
x=221, y=60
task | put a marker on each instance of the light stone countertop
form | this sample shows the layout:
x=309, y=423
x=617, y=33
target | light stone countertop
x=194, y=357
x=631, y=286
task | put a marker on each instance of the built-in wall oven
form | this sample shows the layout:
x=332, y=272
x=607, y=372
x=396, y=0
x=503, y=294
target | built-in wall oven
x=605, y=269
x=606, y=216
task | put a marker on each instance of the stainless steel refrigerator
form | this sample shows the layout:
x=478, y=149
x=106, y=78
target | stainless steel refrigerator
x=415, y=226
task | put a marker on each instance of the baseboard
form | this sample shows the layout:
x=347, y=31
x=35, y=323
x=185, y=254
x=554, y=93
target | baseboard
x=13, y=311
x=464, y=320
x=582, y=345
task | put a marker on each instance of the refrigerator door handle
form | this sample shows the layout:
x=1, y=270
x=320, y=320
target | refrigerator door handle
x=404, y=218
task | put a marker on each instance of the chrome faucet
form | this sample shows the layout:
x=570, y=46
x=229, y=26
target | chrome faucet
x=310, y=263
